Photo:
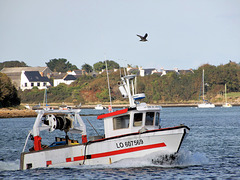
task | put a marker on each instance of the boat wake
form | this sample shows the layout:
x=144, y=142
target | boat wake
x=182, y=159
x=187, y=158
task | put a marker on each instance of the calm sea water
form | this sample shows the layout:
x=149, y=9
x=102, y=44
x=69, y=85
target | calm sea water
x=211, y=150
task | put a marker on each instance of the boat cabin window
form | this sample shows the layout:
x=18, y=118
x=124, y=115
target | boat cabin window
x=137, y=119
x=121, y=122
x=149, y=118
x=157, y=119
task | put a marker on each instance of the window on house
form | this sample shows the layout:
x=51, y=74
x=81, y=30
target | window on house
x=32, y=84
x=38, y=84
x=137, y=121
x=25, y=84
x=149, y=118
x=44, y=84
x=157, y=119
x=121, y=122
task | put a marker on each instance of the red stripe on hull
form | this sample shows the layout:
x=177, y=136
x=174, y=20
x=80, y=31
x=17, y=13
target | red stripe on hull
x=68, y=159
x=48, y=163
x=113, y=113
x=122, y=151
x=128, y=150
x=78, y=158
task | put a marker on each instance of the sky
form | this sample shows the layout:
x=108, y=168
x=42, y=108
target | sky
x=182, y=34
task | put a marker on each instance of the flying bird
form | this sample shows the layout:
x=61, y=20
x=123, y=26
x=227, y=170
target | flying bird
x=143, y=38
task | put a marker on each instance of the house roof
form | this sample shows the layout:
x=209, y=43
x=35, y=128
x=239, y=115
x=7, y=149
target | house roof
x=57, y=75
x=70, y=77
x=167, y=71
x=148, y=71
x=79, y=72
x=35, y=76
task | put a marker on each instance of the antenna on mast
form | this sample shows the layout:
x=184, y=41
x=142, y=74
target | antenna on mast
x=124, y=71
x=45, y=98
x=109, y=91
x=120, y=70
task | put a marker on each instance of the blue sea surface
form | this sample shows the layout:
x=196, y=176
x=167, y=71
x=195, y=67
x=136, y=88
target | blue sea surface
x=211, y=150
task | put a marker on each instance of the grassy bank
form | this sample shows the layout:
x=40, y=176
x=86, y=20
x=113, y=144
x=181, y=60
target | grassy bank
x=14, y=113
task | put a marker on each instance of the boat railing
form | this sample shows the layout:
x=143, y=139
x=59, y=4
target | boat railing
x=26, y=141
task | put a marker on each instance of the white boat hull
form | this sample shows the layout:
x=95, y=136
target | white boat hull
x=99, y=107
x=206, y=105
x=226, y=105
x=109, y=150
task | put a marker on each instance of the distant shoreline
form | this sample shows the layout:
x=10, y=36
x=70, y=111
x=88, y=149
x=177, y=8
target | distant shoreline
x=16, y=113
x=163, y=105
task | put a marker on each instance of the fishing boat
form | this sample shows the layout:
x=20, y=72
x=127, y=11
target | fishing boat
x=205, y=103
x=99, y=107
x=131, y=132
x=226, y=105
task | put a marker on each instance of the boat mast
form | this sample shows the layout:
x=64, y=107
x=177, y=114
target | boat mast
x=226, y=93
x=128, y=88
x=203, y=84
x=108, y=85
x=136, y=85
x=45, y=98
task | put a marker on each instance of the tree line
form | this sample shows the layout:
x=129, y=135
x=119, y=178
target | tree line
x=8, y=93
x=12, y=64
x=9, y=96
x=63, y=65
x=187, y=87
x=171, y=87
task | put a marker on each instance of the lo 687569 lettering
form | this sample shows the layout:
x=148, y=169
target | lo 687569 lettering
x=129, y=143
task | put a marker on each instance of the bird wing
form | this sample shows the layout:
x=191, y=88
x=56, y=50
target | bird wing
x=145, y=36
x=139, y=36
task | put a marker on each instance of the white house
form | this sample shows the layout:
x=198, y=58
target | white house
x=66, y=78
x=176, y=70
x=145, y=72
x=78, y=72
x=14, y=73
x=30, y=79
